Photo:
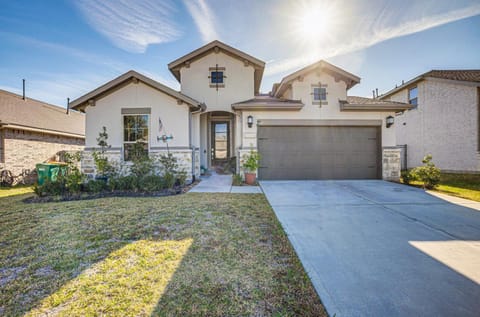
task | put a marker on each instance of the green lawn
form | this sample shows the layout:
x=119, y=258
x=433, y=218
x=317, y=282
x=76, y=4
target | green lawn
x=185, y=255
x=459, y=185
x=13, y=191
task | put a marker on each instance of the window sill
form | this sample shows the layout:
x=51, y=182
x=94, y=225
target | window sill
x=320, y=103
x=215, y=85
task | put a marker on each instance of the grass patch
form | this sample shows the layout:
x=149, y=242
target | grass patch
x=185, y=255
x=459, y=185
x=17, y=190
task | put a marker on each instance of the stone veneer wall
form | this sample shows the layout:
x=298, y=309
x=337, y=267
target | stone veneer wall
x=114, y=155
x=22, y=150
x=391, y=162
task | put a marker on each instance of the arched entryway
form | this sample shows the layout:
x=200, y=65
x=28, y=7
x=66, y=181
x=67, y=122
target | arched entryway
x=217, y=146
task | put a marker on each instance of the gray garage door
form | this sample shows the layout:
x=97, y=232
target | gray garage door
x=318, y=152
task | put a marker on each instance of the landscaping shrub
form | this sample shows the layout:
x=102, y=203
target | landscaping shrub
x=74, y=178
x=181, y=178
x=406, y=177
x=129, y=182
x=103, y=167
x=151, y=183
x=143, y=166
x=50, y=188
x=96, y=186
x=237, y=180
x=168, y=180
x=172, y=174
x=428, y=174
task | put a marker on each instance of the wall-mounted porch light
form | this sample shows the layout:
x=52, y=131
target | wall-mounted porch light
x=250, y=121
x=389, y=121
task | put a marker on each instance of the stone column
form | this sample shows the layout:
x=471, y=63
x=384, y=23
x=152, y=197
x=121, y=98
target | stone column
x=391, y=164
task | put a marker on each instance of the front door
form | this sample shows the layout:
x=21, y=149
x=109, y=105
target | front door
x=220, y=142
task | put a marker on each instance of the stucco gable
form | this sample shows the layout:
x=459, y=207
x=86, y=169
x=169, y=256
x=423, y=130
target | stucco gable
x=216, y=47
x=125, y=79
x=321, y=67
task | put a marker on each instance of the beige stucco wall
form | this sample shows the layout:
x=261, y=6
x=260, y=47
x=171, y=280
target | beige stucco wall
x=107, y=112
x=239, y=81
x=445, y=124
x=302, y=90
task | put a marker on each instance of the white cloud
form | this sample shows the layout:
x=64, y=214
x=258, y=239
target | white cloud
x=132, y=25
x=204, y=19
x=65, y=50
x=371, y=31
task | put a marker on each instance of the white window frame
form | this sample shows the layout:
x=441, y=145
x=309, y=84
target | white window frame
x=133, y=142
x=416, y=98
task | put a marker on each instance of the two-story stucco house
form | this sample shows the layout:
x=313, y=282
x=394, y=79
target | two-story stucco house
x=445, y=119
x=305, y=128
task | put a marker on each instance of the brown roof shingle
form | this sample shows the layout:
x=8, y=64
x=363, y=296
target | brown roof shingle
x=31, y=113
x=463, y=75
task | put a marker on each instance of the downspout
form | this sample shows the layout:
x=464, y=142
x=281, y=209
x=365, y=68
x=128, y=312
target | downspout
x=190, y=136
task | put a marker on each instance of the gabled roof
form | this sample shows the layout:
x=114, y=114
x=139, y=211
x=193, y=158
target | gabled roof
x=267, y=102
x=218, y=46
x=354, y=103
x=33, y=115
x=463, y=75
x=350, y=79
x=125, y=79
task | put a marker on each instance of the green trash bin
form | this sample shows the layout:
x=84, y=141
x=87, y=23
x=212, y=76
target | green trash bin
x=50, y=171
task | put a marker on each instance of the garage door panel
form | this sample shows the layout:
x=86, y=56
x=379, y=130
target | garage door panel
x=298, y=152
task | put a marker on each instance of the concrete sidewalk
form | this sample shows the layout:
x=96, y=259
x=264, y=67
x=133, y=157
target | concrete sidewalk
x=217, y=183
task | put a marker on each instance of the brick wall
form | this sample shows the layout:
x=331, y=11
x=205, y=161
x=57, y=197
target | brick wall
x=23, y=149
x=445, y=124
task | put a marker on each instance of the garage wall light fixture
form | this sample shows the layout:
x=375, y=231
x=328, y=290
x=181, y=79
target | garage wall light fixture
x=250, y=121
x=389, y=121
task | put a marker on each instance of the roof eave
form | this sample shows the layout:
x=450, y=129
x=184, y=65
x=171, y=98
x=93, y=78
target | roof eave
x=267, y=107
x=374, y=107
x=401, y=87
x=284, y=83
x=82, y=102
x=5, y=125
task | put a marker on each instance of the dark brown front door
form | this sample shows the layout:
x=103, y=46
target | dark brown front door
x=220, y=141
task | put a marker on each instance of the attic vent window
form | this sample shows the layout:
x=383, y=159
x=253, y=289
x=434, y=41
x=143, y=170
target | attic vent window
x=217, y=77
x=319, y=95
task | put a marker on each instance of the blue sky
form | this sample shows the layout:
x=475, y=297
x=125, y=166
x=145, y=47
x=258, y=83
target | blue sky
x=68, y=48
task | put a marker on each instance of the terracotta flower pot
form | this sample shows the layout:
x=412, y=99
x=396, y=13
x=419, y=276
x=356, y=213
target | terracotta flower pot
x=250, y=178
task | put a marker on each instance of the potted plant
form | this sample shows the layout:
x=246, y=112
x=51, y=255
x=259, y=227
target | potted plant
x=250, y=166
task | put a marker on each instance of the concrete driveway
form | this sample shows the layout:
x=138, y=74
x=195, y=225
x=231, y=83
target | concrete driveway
x=374, y=248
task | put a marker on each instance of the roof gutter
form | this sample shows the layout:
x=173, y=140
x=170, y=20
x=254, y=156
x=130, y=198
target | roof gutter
x=32, y=129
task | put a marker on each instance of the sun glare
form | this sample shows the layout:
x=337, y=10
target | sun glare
x=313, y=21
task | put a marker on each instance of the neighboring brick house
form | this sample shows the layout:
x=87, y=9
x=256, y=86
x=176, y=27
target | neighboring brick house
x=445, y=121
x=32, y=131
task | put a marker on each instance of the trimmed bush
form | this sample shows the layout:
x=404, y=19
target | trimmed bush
x=428, y=174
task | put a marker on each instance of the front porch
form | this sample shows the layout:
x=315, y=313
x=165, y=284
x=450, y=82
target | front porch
x=219, y=139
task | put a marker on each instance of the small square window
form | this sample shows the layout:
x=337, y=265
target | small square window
x=319, y=94
x=413, y=96
x=216, y=77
